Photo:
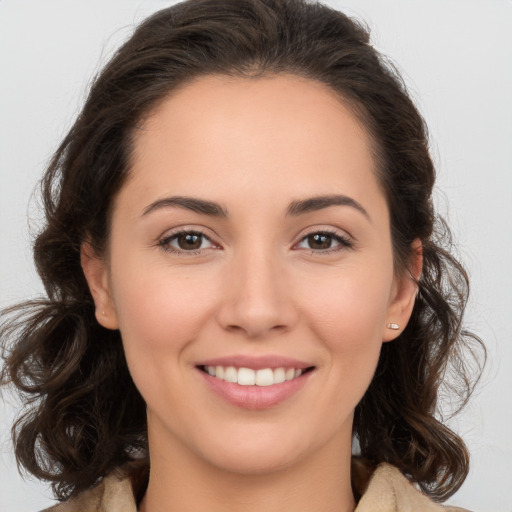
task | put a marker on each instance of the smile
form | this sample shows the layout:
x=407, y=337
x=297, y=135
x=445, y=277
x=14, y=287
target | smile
x=250, y=377
x=256, y=388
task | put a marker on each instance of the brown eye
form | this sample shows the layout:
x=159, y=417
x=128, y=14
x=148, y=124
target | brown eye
x=325, y=242
x=320, y=241
x=189, y=241
x=183, y=242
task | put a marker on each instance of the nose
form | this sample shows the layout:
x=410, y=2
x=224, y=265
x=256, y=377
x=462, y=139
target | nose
x=257, y=297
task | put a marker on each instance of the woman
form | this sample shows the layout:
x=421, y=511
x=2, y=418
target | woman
x=244, y=274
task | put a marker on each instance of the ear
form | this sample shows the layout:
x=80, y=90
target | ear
x=96, y=273
x=403, y=294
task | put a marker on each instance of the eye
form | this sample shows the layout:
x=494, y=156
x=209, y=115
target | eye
x=191, y=242
x=325, y=242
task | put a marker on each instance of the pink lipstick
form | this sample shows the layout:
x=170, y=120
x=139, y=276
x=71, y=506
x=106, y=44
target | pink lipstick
x=255, y=382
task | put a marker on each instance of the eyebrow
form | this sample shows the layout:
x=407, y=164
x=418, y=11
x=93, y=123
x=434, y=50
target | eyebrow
x=320, y=202
x=188, y=203
x=295, y=208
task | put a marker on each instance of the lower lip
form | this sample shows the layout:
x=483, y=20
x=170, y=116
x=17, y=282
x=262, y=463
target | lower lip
x=255, y=397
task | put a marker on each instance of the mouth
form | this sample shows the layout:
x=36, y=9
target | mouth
x=251, y=377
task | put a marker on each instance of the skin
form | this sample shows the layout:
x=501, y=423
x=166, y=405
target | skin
x=257, y=286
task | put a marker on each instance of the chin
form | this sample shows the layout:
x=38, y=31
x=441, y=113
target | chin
x=262, y=452
x=255, y=462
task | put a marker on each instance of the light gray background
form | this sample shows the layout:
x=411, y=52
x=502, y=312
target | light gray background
x=456, y=56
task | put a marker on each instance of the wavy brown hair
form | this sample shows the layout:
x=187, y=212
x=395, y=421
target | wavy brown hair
x=83, y=414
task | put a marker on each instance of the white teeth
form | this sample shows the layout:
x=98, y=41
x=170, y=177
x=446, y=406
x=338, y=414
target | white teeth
x=249, y=377
x=264, y=377
x=290, y=374
x=246, y=377
x=279, y=375
x=230, y=374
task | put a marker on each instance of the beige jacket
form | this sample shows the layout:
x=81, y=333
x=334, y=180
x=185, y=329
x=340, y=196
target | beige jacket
x=387, y=491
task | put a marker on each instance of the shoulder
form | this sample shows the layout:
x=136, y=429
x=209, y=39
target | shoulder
x=390, y=491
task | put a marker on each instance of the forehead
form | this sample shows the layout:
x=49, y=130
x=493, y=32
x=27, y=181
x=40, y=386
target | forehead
x=252, y=135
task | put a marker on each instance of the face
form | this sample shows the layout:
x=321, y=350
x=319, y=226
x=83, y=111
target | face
x=250, y=246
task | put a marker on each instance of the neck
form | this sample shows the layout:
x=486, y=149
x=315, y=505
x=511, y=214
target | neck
x=187, y=483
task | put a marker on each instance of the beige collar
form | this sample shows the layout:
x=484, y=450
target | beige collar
x=388, y=491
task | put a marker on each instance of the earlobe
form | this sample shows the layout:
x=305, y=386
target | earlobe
x=404, y=294
x=96, y=275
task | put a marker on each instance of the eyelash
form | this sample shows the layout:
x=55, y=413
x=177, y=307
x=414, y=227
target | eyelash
x=344, y=242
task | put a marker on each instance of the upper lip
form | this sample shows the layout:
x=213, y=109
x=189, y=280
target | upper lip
x=256, y=362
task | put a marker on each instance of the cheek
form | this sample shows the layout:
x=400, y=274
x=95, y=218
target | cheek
x=349, y=305
x=347, y=314
x=161, y=314
x=161, y=310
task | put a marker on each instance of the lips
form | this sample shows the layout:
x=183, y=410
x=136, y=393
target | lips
x=255, y=382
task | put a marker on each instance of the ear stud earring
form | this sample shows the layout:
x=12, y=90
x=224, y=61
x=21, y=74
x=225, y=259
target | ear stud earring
x=393, y=327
